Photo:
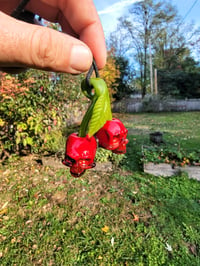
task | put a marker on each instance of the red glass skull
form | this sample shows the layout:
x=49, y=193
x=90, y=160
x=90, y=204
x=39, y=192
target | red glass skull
x=80, y=153
x=112, y=136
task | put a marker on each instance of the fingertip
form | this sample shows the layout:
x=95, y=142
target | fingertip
x=101, y=60
x=96, y=43
x=80, y=58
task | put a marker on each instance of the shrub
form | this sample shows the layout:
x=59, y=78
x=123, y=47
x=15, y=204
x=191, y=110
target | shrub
x=27, y=115
x=35, y=107
x=170, y=154
x=179, y=83
x=103, y=155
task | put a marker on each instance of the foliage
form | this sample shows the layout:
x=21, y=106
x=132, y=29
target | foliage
x=179, y=83
x=27, y=114
x=110, y=73
x=33, y=110
x=189, y=65
x=125, y=78
x=181, y=78
x=103, y=155
x=151, y=18
x=36, y=106
x=170, y=154
x=160, y=34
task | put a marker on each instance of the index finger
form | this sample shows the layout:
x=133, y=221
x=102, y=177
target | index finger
x=81, y=16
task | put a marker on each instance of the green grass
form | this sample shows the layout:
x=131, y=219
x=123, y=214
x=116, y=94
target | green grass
x=181, y=130
x=125, y=217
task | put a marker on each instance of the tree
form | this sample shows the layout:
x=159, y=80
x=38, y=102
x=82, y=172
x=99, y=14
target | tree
x=154, y=30
x=189, y=65
x=182, y=81
x=119, y=44
x=146, y=20
x=124, y=81
x=174, y=44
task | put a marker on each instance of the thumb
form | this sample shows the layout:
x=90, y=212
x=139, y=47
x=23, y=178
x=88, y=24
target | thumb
x=27, y=45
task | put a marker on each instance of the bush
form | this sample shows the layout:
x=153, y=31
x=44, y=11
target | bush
x=179, y=83
x=170, y=154
x=27, y=115
x=37, y=106
x=34, y=109
x=103, y=155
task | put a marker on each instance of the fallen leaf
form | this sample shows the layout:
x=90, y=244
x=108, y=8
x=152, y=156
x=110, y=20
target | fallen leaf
x=105, y=229
x=135, y=217
x=13, y=240
x=4, y=211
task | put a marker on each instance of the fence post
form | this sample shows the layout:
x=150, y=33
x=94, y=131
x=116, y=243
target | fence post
x=156, y=81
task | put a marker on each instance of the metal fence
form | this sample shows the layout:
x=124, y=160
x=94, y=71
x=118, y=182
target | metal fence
x=156, y=105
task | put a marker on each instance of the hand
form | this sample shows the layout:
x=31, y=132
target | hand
x=27, y=45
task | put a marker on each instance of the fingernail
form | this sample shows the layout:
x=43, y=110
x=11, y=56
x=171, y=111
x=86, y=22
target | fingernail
x=81, y=58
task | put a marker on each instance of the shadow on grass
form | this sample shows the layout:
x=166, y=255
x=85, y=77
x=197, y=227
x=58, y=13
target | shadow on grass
x=134, y=152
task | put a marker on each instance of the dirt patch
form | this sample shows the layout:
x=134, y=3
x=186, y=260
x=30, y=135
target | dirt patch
x=52, y=161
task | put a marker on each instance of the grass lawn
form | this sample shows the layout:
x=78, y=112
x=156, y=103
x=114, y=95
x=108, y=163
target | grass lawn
x=123, y=217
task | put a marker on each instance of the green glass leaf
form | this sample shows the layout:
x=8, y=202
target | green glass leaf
x=102, y=110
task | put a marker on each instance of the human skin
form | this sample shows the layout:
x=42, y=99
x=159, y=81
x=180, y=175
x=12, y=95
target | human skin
x=72, y=50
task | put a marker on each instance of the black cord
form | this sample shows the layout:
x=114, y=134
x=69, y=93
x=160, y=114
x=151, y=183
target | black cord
x=20, y=8
x=90, y=71
x=95, y=68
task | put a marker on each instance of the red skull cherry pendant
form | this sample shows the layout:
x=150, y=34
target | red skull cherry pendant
x=81, y=147
x=80, y=153
x=112, y=136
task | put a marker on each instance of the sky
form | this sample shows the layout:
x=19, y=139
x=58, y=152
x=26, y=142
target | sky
x=110, y=10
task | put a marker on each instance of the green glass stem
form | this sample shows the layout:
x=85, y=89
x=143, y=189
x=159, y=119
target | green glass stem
x=86, y=119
